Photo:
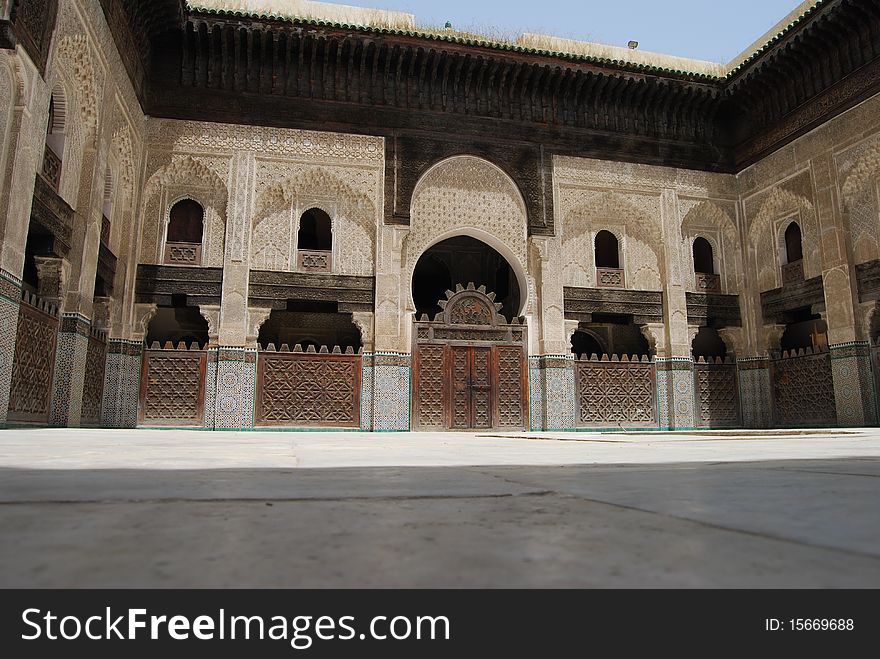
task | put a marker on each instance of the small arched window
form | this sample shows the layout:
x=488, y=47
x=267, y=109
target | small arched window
x=315, y=241
x=607, y=250
x=704, y=258
x=55, y=135
x=794, y=249
x=183, y=245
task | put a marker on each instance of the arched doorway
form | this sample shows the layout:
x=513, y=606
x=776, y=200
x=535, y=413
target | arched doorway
x=469, y=345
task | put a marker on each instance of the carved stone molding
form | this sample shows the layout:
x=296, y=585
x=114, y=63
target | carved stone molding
x=364, y=321
x=143, y=314
x=53, y=274
x=257, y=316
x=102, y=309
x=211, y=313
x=655, y=333
x=735, y=340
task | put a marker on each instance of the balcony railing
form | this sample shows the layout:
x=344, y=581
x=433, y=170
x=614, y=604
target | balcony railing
x=51, y=169
x=610, y=278
x=183, y=253
x=708, y=283
x=792, y=272
x=314, y=261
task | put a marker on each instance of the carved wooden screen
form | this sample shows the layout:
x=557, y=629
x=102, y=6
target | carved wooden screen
x=717, y=393
x=34, y=363
x=306, y=390
x=875, y=357
x=469, y=368
x=616, y=393
x=803, y=390
x=173, y=386
x=93, y=385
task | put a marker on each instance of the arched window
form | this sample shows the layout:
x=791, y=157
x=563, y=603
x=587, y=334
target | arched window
x=107, y=208
x=794, y=249
x=183, y=245
x=55, y=135
x=315, y=241
x=607, y=250
x=704, y=259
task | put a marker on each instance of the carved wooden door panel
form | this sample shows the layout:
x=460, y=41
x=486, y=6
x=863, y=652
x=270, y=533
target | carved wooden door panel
x=481, y=388
x=471, y=398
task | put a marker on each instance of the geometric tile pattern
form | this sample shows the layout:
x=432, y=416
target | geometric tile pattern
x=367, y=392
x=8, y=325
x=236, y=389
x=855, y=399
x=391, y=392
x=70, y=371
x=93, y=383
x=122, y=383
x=675, y=393
x=536, y=394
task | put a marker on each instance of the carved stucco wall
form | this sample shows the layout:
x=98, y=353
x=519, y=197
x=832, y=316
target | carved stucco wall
x=626, y=199
x=859, y=175
x=714, y=220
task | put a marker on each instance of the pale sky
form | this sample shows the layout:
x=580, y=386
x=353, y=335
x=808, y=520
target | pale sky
x=699, y=29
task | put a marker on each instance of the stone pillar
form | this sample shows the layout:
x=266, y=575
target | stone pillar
x=23, y=150
x=231, y=382
x=552, y=392
x=854, y=391
x=70, y=369
x=10, y=297
x=122, y=383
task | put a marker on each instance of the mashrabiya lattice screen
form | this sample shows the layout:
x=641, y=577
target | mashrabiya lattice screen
x=803, y=389
x=93, y=385
x=717, y=393
x=309, y=389
x=33, y=366
x=616, y=392
x=173, y=385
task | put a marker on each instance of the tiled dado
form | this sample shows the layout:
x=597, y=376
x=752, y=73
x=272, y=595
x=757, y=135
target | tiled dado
x=390, y=396
x=367, y=376
x=675, y=393
x=122, y=383
x=70, y=370
x=854, y=393
x=230, y=388
x=10, y=294
x=755, y=393
x=552, y=397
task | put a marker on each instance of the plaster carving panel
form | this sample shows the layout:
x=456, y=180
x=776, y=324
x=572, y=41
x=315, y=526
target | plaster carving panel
x=859, y=174
x=462, y=194
x=714, y=221
x=769, y=213
x=182, y=178
x=633, y=218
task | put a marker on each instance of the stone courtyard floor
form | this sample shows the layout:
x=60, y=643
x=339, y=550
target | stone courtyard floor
x=273, y=509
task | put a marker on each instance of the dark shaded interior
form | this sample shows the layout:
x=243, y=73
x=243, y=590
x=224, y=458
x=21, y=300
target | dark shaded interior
x=609, y=335
x=187, y=222
x=309, y=324
x=607, y=250
x=794, y=249
x=462, y=260
x=708, y=344
x=805, y=330
x=704, y=261
x=315, y=231
x=176, y=324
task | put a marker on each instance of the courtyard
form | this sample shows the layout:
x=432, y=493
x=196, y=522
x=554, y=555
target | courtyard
x=732, y=509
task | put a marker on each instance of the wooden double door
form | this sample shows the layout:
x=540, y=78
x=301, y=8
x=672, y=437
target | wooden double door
x=470, y=387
